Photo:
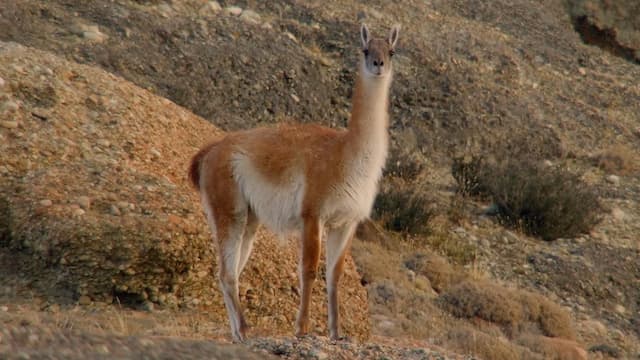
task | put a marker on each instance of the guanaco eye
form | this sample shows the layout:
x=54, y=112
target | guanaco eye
x=366, y=52
x=391, y=52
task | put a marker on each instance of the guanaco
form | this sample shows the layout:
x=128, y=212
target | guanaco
x=310, y=179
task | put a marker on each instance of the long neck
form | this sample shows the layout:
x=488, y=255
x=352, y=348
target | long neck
x=369, y=121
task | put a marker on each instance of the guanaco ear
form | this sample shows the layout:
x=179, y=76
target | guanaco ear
x=364, y=36
x=393, y=36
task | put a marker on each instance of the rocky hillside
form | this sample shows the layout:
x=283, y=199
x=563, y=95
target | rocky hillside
x=95, y=199
x=95, y=203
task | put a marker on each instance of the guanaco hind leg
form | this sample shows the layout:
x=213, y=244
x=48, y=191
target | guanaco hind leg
x=230, y=241
x=228, y=218
x=247, y=240
x=245, y=253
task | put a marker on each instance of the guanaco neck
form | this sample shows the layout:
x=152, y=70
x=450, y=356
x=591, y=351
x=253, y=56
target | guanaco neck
x=368, y=126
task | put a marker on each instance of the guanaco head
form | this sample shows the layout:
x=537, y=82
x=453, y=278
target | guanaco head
x=378, y=52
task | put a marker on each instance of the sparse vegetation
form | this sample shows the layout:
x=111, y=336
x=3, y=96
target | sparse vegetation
x=404, y=302
x=440, y=273
x=514, y=310
x=486, y=346
x=454, y=248
x=548, y=202
x=406, y=165
x=470, y=175
x=618, y=159
x=485, y=301
x=553, y=348
x=403, y=210
x=474, y=79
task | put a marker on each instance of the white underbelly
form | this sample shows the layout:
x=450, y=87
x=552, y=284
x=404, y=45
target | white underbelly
x=278, y=206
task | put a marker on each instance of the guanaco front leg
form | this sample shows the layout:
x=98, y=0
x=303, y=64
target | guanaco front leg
x=338, y=241
x=308, y=270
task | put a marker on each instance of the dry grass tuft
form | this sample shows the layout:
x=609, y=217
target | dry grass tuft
x=619, y=159
x=550, y=317
x=553, y=348
x=470, y=174
x=454, y=248
x=375, y=263
x=487, y=347
x=407, y=165
x=483, y=300
x=400, y=304
x=514, y=310
x=440, y=273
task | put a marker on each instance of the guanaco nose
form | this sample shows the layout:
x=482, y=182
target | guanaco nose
x=378, y=65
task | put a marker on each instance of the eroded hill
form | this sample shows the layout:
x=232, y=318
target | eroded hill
x=471, y=78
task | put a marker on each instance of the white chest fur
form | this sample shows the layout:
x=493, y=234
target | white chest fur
x=353, y=199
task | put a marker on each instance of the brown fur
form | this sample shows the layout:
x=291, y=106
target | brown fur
x=325, y=157
x=194, y=167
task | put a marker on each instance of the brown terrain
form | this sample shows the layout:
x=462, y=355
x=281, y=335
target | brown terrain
x=104, y=250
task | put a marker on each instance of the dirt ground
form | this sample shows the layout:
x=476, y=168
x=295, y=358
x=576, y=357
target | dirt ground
x=470, y=77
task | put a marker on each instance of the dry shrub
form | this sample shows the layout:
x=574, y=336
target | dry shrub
x=407, y=165
x=484, y=300
x=454, y=248
x=384, y=292
x=375, y=262
x=393, y=296
x=618, y=159
x=553, y=348
x=545, y=202
x=487, y=347
x=369, y=231
x=542, y=201
x=440, y=273
x=403, y=209
x=469, y=173
x=513, y=309
x=550, y=317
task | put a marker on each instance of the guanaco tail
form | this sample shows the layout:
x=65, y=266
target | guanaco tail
x=310, y=179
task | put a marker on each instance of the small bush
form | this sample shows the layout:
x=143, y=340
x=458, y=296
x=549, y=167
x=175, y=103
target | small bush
x=455, y=249
x=403, y=210
x=512, y=309
x=619, y=159
x=375, y=262
x=550, y=317
x=405, y=165
x=542, y=201
x=545, y=202
x=486, y=301
x=440, y=273
x=469, y=174
x=486, y=346
x=553, y=348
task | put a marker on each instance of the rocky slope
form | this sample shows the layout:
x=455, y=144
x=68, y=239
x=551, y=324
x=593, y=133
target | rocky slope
x=95, y=199
x=471, y=77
